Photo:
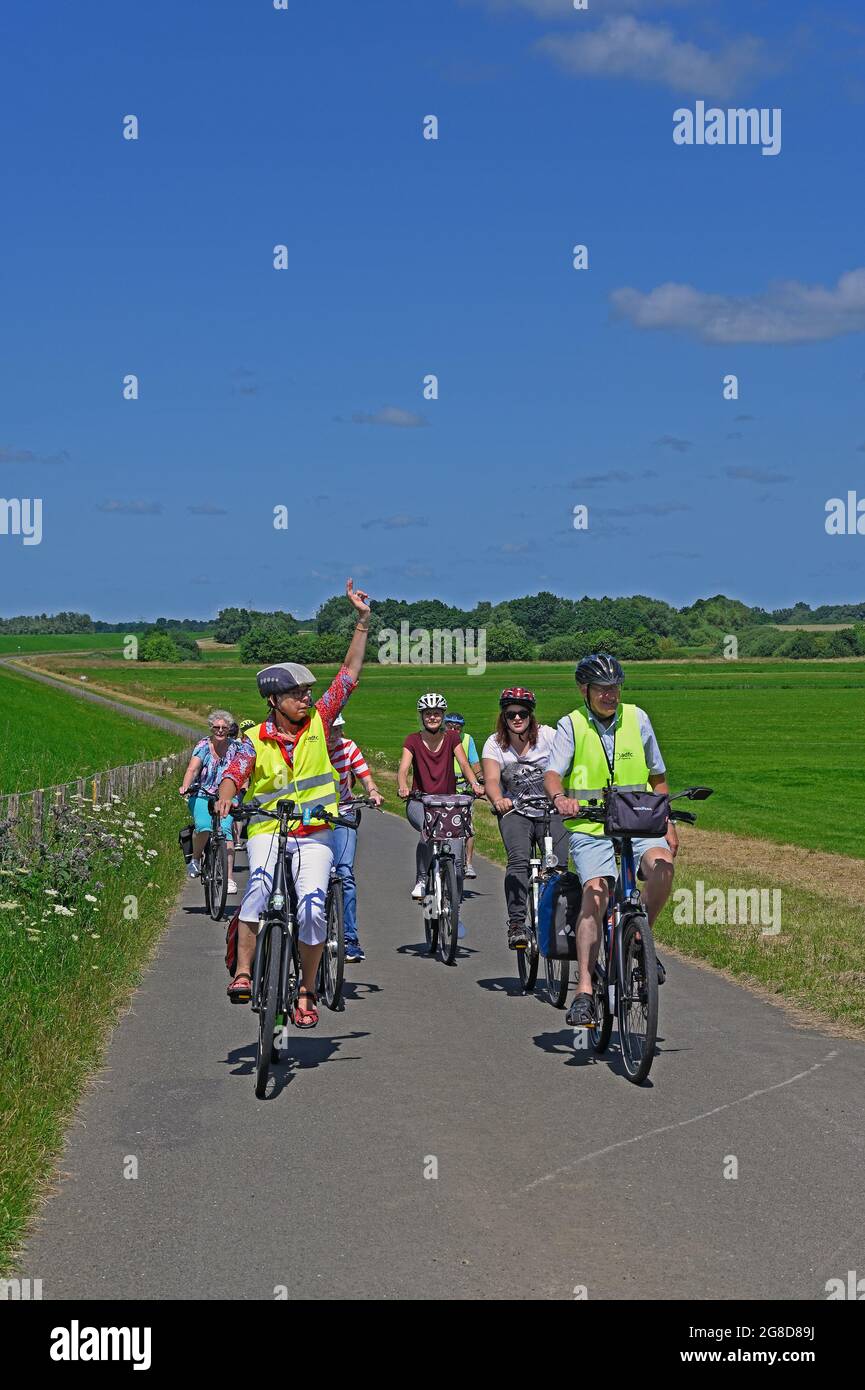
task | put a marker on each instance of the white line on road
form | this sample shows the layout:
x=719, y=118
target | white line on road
x=680, y=1124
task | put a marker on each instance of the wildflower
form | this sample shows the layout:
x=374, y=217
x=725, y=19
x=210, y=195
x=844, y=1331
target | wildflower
x=74, y=937
x=89, y=898
x=52, y=893
x=95, y=935
x=9, y=905
x=64, y=911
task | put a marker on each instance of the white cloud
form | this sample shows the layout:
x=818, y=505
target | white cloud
x=559, y=9
x=390, y=415
x=786, y=312
x=624, y=46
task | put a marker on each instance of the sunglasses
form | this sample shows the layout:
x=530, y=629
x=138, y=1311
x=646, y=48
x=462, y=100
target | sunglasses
x=512, y=714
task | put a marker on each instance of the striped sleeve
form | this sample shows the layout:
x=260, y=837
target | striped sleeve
x=356, y=760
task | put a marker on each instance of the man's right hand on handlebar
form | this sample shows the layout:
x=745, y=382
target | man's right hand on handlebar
x=403, y=793
x=502, y=804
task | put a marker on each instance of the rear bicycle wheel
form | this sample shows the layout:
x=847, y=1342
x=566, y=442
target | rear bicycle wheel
x=332, y=967
x=269, y=1001
x=217, y=865
x=527, y=957
x=430, y=923
x=599, y=1036
x=558, y=979
x=448, y=922
x=637, y=1004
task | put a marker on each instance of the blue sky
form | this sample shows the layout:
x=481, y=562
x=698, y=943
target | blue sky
x=408, y=256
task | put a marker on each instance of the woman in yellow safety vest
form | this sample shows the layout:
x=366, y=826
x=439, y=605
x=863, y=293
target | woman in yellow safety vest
x=287, y=756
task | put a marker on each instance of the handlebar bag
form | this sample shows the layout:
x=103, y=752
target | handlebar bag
x=446, y=818
x=558, y=909
x=636, y=813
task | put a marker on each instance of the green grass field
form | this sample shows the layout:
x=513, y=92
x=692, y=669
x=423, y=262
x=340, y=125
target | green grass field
x=10, y=645
x=54, y=738
x=771, y=738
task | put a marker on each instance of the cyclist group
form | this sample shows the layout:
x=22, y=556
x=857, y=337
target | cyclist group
x=299, y=752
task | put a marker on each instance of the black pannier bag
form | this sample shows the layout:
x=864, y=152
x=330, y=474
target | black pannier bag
x=636, y=813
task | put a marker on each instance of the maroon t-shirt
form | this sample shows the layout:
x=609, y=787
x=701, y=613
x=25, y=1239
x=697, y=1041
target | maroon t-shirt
x=433, y=773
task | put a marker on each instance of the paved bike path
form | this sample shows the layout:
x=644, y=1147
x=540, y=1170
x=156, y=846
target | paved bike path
x=554, y=1172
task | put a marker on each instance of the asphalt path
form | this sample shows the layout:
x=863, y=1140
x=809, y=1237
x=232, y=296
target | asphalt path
x=554, y=1173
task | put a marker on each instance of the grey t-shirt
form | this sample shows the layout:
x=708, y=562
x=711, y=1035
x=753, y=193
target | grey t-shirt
x=562, y=754
x=522, y=775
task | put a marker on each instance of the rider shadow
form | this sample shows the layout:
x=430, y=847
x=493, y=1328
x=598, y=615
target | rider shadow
x=356, y=990
x=506, y=984
x=312, y=1053
x=562, y=1043
x=422, y=951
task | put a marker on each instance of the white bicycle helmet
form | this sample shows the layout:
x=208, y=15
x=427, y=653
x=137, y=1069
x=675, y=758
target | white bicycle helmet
x=432, y=700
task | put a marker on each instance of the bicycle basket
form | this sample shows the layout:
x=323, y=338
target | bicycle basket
x=636, y=813
x=446, y=818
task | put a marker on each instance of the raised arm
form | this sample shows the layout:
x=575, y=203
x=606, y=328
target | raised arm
x=354, y=656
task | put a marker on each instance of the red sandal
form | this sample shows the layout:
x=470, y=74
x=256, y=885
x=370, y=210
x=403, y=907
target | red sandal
x=302, y=1017
x=238, y=993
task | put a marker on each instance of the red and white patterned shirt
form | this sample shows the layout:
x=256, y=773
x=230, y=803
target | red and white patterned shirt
x=350, y=763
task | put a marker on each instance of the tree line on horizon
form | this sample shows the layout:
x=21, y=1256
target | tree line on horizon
x=543, y=626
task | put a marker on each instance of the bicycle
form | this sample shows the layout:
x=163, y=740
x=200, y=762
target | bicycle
x=441, y=899
x=542, y=862
x=626, y=974
x=331, y=970
x=214, y=865
x=276, y=968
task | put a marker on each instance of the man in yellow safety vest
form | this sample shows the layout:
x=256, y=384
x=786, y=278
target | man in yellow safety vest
x=605, y=742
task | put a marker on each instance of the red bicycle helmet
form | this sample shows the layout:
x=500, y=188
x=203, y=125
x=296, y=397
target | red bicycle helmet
x=517, y=695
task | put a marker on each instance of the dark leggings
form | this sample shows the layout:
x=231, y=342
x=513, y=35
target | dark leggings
x=516, y=832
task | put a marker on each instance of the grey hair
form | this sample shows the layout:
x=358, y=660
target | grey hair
x=221, y=714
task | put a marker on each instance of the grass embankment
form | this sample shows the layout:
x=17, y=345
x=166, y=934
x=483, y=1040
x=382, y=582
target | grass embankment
x=68, y=973
x=54, y=739
x=11, y=643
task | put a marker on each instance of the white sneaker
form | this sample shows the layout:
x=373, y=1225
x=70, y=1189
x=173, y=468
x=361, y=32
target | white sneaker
x=418, y=891
x=471, y=871
x=232, y=886
x=194, y=869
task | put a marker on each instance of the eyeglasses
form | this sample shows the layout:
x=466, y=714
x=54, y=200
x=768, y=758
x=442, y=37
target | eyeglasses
x=220, y=729
x=512, y=714
x=298, y=692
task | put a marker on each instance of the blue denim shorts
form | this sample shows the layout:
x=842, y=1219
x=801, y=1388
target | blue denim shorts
x=592, y=855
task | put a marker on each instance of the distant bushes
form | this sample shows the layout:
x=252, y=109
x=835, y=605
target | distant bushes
x=160, y=645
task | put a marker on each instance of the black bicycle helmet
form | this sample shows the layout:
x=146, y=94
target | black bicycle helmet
x=599, y=669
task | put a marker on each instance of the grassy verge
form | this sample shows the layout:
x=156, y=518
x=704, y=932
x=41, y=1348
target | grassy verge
x=814, y=964
x=57, y=739
x=71, y=951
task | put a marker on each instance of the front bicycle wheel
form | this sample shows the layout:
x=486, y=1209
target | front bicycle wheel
x=599, y=1036
x=448, y=924
x=332, y=967
x=558, y=979
x=271, y=947
x=527, y=958
x=217, y=873
x=638, y=998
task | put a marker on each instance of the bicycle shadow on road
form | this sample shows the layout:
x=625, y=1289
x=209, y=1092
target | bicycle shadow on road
x=563, y=1042
x=422, y=951
x=311, y=1052
x=510, y=985
x=357, y=990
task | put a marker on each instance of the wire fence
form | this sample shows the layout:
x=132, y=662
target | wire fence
x=28, y=812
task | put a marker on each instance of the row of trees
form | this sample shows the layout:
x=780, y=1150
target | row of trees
x=54, y=623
